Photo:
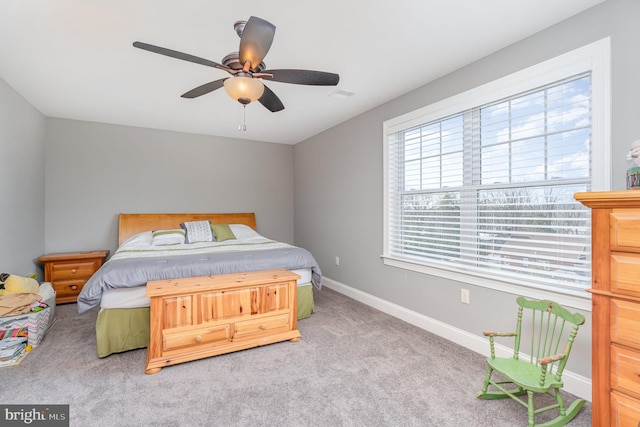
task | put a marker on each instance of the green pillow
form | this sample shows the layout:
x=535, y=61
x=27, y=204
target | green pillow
x=222, y=232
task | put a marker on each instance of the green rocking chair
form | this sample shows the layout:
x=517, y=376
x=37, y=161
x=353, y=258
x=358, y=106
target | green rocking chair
x=541, y=371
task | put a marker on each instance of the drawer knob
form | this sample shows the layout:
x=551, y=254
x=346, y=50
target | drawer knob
x=263, y=326
x=74, y=270
x=74, y=287
x=198, y=338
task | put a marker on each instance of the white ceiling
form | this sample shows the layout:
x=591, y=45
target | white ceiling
x=74, y=58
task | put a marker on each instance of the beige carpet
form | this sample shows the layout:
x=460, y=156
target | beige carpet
x=354, y=366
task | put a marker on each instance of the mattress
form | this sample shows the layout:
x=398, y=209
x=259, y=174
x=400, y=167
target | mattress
x=136, y=297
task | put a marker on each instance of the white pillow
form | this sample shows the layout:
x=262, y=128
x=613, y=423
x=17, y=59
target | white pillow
x=197, y=231
x=168, y=237
x=138, y=240
x=243, y=232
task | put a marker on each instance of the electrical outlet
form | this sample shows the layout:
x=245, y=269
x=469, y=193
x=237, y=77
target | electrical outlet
x=464, y=296
x=337, y=260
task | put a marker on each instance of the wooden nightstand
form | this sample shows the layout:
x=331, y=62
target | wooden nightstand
x=69, y=271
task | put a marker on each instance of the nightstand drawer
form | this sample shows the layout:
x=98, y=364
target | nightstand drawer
x=68, y=288
x=76, y=270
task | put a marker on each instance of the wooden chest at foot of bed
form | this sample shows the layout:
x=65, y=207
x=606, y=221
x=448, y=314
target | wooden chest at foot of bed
x=199, y=317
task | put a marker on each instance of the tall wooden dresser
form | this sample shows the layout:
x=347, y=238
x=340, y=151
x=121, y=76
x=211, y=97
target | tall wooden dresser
x=615, y=306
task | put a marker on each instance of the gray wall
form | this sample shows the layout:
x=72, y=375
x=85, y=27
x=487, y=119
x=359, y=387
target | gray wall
x=339, y=177
x=22, y=138
x=96, y=171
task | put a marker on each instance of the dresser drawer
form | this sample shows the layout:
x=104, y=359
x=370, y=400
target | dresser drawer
x=624, y=273
x=625, y=230
x=625, y=323
x=75, y=270
x=625, y=411
x=625, y=371
x=263, y=326
x=197, y=337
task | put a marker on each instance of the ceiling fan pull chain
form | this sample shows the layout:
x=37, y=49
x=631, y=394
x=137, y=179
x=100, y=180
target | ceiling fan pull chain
x=242, y=127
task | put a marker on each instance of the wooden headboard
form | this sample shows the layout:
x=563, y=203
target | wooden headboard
x=130, y=224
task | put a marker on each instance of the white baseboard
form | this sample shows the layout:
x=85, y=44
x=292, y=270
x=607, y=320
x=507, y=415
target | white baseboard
x=575, y=384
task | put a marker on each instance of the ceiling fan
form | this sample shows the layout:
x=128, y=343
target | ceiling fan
x=247, y=69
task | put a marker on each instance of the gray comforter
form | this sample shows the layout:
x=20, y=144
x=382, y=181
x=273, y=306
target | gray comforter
x=127, y=273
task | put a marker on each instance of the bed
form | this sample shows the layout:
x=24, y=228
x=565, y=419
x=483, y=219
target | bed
x=150, y=248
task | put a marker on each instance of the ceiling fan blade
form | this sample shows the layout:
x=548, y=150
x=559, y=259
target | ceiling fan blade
x=304, y=77
x=255, y=41
x=204, y=89
x=271, y=101
x=181, y=55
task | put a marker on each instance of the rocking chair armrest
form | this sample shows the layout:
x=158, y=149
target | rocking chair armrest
x=550, y=359
x=499, y=334
x=492, y=335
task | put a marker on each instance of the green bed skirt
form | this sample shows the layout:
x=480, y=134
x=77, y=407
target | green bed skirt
x=123, y=329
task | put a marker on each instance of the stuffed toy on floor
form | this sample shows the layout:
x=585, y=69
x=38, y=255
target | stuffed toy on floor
x=12, y=284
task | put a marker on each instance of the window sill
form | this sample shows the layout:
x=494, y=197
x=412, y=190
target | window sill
x=577, y=300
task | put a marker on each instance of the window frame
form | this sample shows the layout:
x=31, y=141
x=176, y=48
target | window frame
x=593, y=58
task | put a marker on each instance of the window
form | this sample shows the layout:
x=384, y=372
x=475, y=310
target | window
x=480, y=187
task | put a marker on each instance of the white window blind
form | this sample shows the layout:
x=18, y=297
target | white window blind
x=489, y=190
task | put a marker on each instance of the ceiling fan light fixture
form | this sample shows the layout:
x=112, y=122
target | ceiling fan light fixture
x=244, y=89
